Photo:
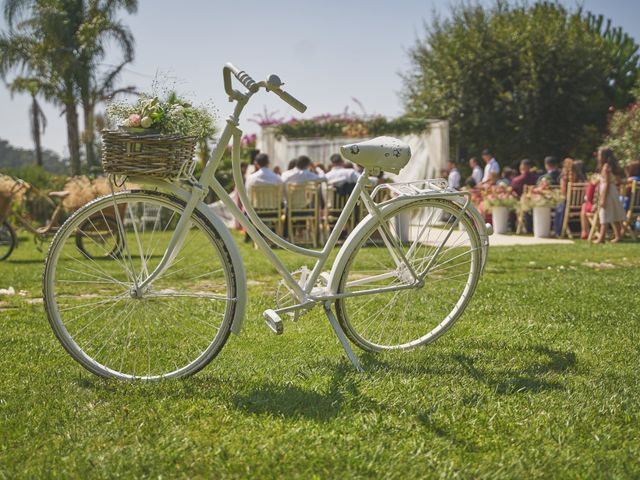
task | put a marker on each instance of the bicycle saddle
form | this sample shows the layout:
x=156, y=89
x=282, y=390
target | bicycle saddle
x=384, y=153
x=62, y=194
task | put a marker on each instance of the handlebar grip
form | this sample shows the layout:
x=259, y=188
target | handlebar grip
x=291, y=100
x=243, y=77
x=246, y=80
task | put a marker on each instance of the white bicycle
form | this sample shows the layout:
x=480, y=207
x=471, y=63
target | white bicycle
x=165, y=305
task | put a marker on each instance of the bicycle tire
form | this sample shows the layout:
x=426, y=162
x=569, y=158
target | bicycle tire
x=111, y=225
x=7, y=237
x=384, y=305
x=178, y=323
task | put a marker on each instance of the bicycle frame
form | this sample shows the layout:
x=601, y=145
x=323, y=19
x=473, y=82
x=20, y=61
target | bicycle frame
x=40, y=232
x=259, y=232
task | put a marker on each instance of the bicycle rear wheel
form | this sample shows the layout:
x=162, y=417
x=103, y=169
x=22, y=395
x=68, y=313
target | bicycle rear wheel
x=99, y=237
x=8, y=240
x=172, y=329
x=398, y=308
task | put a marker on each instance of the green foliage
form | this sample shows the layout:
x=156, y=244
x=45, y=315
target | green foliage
x=38, y=177
x=624, y=132
x=539, y=379
x=60, y=47
x=528, y=80
x=350, y=126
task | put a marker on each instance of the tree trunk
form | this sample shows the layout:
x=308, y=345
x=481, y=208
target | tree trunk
x=73, y=137
x=35, y=119
x=88, y=136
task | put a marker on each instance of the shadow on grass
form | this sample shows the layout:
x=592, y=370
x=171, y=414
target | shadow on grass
x=501, y=378
x=26, y=262
x=293, y=401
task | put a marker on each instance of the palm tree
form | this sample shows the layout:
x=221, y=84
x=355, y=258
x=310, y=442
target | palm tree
x=61, y=43
x=36, y=114
x=39, y=47
x=95, y=88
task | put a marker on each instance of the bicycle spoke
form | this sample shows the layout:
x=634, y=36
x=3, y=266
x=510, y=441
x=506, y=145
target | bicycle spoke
x=171, y=328
x=423, y=240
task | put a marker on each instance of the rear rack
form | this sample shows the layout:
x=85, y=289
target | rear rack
x=416, y=187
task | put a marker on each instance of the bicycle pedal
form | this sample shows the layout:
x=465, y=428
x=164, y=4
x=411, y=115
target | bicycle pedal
x=273, y=321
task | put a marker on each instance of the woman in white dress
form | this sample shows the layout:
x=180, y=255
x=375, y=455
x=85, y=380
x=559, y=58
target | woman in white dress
x=610, y=209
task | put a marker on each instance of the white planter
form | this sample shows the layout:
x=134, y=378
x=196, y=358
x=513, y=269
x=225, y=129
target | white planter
x=541, y=222
x=500, y=219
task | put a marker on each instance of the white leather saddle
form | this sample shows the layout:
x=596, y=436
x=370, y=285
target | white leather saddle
x=384, y=153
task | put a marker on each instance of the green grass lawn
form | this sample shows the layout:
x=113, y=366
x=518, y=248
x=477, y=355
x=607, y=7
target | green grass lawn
x=540, y=378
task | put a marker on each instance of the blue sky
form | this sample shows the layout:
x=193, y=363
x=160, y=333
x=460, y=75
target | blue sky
x=328, y=52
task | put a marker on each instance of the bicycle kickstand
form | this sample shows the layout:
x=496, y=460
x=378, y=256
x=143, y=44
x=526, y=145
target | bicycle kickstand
x=342, y=337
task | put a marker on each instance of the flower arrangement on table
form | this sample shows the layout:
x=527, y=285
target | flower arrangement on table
x=499, y=195
x=542, y=195
x=154, y=136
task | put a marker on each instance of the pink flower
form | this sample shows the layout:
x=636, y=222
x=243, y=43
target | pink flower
x=134, y=120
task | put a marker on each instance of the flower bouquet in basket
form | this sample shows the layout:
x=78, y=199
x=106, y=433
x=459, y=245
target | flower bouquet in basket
x=500, y=195
x=542, y=195
x=154, y=137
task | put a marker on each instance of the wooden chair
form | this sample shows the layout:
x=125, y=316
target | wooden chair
x=303, y=209
x=573, y=205
x=266, y=200
x=633, y=210
x=335, y=204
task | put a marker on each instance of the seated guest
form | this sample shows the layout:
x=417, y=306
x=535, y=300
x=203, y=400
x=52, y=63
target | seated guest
x=290, y=167
x=454, y=178
x=507, y=176
x=263, y=176
x=553, y=172
x=526, y=177
x=339, y=175
x=301, y=173
x=319, y=169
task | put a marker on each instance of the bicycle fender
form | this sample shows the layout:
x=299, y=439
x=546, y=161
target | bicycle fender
x=236, y=261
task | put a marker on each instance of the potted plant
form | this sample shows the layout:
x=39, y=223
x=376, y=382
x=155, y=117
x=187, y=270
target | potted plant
x=541, y=199
x=498, y=200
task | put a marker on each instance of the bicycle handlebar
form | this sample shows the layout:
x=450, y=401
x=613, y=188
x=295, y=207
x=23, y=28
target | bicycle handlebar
x=272, y=84
x=243, y=77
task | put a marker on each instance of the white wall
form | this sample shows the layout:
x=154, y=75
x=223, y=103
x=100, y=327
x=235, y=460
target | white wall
x=429, y=150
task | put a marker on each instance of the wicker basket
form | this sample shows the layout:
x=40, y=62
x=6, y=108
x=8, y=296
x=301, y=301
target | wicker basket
x=160, y=156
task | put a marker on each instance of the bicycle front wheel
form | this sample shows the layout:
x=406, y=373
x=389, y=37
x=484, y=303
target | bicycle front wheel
x=8, y=240
x=171, y=329
x=409, y=278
